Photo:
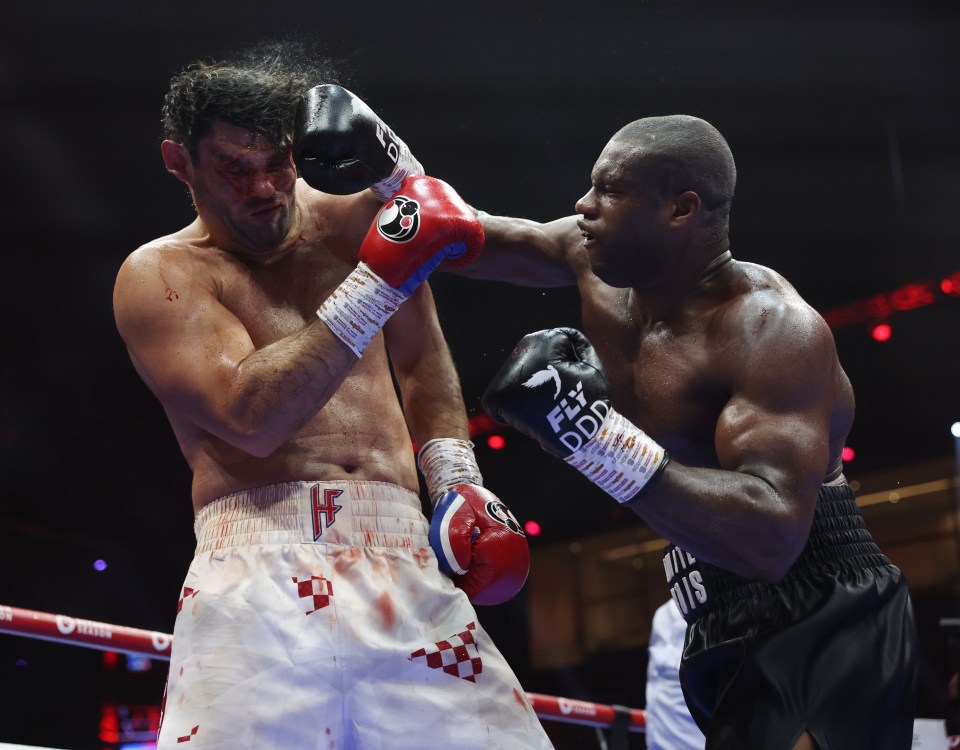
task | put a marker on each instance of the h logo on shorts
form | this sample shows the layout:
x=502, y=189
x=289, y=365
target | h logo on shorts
x=324, y=509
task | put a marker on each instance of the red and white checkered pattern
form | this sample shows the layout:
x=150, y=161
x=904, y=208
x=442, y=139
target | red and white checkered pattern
x=188, y=737
x=458, y=655
x=187, y=591
x=317, y=588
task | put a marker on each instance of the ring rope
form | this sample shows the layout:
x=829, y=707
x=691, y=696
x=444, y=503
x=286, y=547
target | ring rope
x=152, y=644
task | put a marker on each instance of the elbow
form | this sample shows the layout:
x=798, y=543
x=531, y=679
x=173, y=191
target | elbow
x=252, y=440
x=249, y=426
x=260, y=443
x=775, y=556
x=259, y=448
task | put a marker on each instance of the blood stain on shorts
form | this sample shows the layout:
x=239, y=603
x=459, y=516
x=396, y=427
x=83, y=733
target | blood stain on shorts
x=387, y=610
x=422, y=557
x=346, y=559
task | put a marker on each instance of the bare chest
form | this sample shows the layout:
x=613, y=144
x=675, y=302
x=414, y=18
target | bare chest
x=668, y=381
x=274, y=301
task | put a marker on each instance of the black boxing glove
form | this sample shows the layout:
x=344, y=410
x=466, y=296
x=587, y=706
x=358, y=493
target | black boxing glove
x=553, y=388
x=340, y=146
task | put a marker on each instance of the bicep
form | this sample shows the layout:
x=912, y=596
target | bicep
x=525, y=252
x=776, y=423
x=786, y=447
x=185, y=344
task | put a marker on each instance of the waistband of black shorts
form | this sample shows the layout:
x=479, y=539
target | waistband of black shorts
x=839, y=541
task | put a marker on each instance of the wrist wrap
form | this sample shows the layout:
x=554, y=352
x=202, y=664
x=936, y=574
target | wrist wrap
x=359, y=307
x=407, y=165
x=446, y=462
x=620, y=459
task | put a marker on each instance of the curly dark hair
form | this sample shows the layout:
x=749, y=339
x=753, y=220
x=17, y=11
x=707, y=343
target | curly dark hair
x=257, y=89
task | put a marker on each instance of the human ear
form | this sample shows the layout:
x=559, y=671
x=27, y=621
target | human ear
x=686, y=206
x=176, y=159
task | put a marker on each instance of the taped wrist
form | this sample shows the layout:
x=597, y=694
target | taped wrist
x=445, y=462
x=620, y=459
x=406, y=165
x=359, y=307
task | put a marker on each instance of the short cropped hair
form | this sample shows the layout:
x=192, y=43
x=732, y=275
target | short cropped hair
x=680, y=153
x=257, y=89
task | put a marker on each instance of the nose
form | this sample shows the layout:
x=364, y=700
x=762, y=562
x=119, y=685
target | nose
x=263, y=185
x=586, y=204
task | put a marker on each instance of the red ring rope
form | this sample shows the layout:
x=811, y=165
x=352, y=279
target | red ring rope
x=91, y=634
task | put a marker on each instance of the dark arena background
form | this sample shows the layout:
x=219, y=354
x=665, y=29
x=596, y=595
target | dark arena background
x=843, y=118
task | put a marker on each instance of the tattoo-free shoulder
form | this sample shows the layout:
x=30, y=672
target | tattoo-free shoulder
x=767, y=325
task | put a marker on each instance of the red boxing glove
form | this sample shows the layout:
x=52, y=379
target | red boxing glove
x=479, y=542
x=425, y=224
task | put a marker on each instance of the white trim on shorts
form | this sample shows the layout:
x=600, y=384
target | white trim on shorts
x=354, y=513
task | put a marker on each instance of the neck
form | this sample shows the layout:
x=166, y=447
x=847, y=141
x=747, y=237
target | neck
x=682, y=293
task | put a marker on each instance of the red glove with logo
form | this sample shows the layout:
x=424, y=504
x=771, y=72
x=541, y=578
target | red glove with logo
x=425, y=224
x=478, y=541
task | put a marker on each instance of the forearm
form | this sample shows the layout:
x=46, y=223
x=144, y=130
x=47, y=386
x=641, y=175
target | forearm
x=524, y=252
x=732, y=519
x=424, y=371
x=277, y=389
x=751, y=517
x=431, y=396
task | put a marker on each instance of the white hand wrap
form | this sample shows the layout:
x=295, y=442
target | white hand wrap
x=620, y=459
x=407, y=165
x=445, y=462
x=359, y=307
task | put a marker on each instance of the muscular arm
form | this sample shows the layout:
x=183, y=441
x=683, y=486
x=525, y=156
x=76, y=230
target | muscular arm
x=425, y=373
x=753, y=515
x=524, y=252
x=200, y=361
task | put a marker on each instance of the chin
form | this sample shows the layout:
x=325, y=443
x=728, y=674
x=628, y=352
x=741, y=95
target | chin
x=266, y=237
x=607, y=275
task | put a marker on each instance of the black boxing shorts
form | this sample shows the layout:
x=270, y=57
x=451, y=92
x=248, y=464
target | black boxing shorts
x=830, y=649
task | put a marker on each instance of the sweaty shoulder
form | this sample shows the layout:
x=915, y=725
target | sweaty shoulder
x=767, y=340
x=762, y=308
x=776, y=353
x=163, y=269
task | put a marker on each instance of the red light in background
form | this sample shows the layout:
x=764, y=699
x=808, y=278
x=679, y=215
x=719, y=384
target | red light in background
x=481, y=424
x=912, y=296
x=532, y=528
x=109, y=723
x=951, y=285
x=496, y=442
x=881, y=332
x=881, y=306
x=848, y=453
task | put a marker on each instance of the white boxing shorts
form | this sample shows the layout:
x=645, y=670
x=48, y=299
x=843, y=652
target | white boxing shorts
x=314, y=617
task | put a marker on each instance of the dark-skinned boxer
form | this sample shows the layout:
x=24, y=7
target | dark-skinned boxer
x=707, y=396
